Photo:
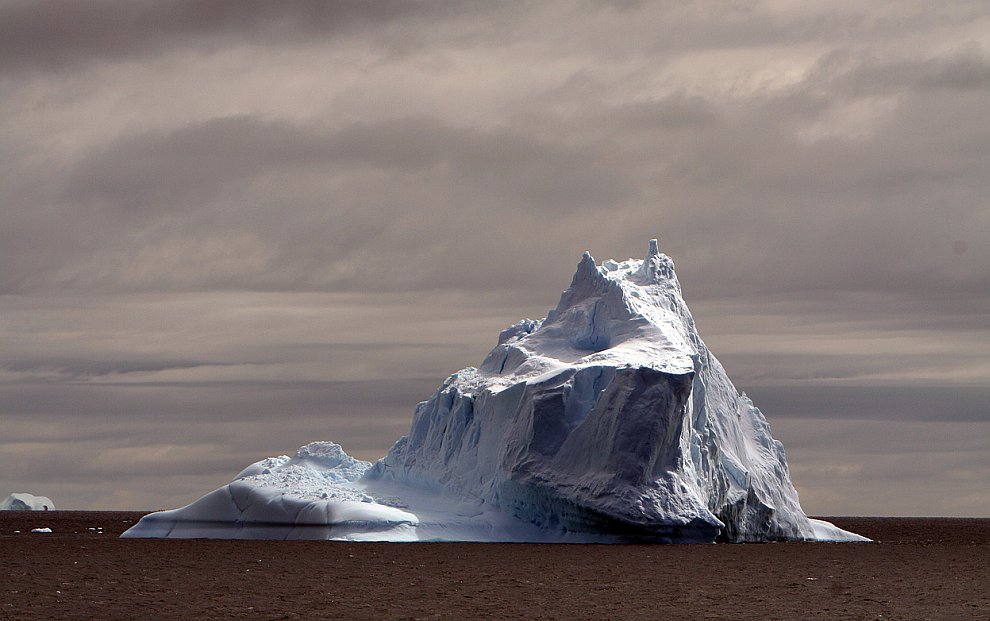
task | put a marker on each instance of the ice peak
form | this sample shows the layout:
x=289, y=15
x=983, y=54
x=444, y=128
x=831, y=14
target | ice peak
x=588, y=277
x=616, y=285
x=655, y=265
x=586, y=266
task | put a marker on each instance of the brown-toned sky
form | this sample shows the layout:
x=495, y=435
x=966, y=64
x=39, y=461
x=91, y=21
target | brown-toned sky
x=228, y=228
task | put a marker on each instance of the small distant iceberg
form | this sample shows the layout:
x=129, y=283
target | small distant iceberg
x=27, y=502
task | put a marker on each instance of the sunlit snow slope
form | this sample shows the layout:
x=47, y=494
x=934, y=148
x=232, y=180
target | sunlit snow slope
x=607, y=421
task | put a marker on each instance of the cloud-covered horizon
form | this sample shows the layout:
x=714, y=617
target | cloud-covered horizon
x=204, y=203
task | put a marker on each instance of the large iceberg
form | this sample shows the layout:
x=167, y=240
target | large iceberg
x=607, y=421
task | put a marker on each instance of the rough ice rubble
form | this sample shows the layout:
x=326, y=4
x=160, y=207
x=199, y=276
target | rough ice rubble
x=607, y=421
x=27, y=502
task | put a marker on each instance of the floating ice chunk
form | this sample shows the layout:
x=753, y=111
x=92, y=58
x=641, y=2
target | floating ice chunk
x=27, y=502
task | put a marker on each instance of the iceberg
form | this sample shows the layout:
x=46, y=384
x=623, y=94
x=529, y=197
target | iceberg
x=607, y=421
x=27, y=502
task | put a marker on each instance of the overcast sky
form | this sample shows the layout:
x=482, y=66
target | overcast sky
x=229, y=228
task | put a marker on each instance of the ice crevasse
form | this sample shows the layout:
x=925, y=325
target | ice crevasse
x=607, y=421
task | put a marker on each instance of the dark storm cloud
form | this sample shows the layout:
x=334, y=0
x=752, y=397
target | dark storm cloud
x=744, y=168
x=139, y=181
x=160, y=171
x=899, y=189
x=58, y=35
x=222, y=222
x=48, y=35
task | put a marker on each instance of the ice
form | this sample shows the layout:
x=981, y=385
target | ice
x=41, y=530
x=608, y=421
x=316, y=494
x=26, y=502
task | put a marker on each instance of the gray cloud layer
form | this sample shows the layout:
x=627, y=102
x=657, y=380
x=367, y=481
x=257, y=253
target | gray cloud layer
x=233, y=199
x=52, y=36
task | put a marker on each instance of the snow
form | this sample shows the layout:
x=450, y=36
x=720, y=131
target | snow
x=316, y=494
x=26, y=502
x=607, y=421
x=41, y=530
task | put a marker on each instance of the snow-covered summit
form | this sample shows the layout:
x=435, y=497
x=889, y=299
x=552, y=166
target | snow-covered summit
x=609, y=420
x=618, y=314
